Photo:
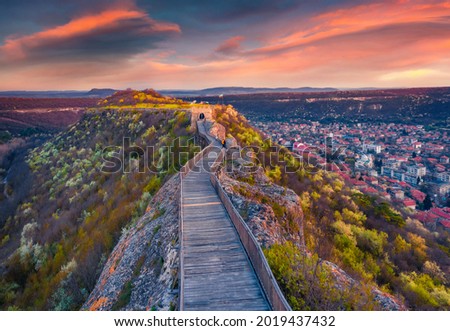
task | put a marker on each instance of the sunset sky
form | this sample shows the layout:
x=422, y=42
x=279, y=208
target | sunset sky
x=163, y=44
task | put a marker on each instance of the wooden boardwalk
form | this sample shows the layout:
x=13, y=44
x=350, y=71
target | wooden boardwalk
x=217, y=274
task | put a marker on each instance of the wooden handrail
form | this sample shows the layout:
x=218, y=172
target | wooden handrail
x=262, y=269
x=256, y=256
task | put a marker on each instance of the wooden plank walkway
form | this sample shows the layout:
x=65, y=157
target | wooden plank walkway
x=217, y=274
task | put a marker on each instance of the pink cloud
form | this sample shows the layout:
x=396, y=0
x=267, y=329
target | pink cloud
x=231, y=45
x=386, y=43
x=348, y=21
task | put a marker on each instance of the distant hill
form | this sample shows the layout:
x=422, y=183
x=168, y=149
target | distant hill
x=216, y=91
x=105, y=92
x=12, y=103
x=93, y=93
x=412, y=105
x=235, y=90
x=53, y=119
x=145, y=98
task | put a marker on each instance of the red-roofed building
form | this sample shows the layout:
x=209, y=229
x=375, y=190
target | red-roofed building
x=409, y=203
x=417, y=195
x=423, y=216
x=445, y=224
x=428, y=219
x=370, y=190
x=300, y=147
x=417, y=145
x=440, y=213
x=370, y=180
x=360, y=184
x=398, y=194
x=386, y=195
x=346, y=168
x=334, y=167
x=345, y=176
x=404, y=185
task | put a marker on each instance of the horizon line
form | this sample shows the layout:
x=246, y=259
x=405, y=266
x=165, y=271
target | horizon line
x=240, y=87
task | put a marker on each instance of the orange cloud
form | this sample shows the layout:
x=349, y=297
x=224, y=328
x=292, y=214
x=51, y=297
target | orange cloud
x=357, y=19
x=230, y=45
x=107, y=21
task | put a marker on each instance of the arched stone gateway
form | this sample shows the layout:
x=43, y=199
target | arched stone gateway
x=202, y=116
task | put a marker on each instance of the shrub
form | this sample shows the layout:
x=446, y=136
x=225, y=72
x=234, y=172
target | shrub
x=371, y=241
x=274, y=174
x=153, y=185
x=278, y=209
x=4, y=240
x=422, y=291
x=124, y=296
x=384, y=210
x=309, y=284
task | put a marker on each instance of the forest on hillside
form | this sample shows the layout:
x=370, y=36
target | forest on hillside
x=57, y=241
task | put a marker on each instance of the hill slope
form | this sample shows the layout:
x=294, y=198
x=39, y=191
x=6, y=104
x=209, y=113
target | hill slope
x=365, y=237
x=142, y=271
x=55, y=246
x=141, y=99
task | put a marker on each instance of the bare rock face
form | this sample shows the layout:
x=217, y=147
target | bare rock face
x=225, y=111
x=272, y=212
x=217, y=131
x=231, y=142
x=385, y=301
x=142, y=271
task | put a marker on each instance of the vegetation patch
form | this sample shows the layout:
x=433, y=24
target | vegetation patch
x=137, y=268
x=308, y=284
x=124, y=296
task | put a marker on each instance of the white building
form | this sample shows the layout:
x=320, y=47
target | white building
x=443, y=177
x=442, y=189
x=371, y=148
x=416, y=170
x=393, y=173
x=387, y=171
x=411, y=179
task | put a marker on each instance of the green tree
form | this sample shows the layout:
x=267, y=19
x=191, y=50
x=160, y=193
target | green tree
x=427, y=204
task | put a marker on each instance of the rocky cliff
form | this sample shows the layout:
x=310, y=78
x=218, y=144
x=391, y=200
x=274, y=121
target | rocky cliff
x=142, y=271
x=272, y=212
